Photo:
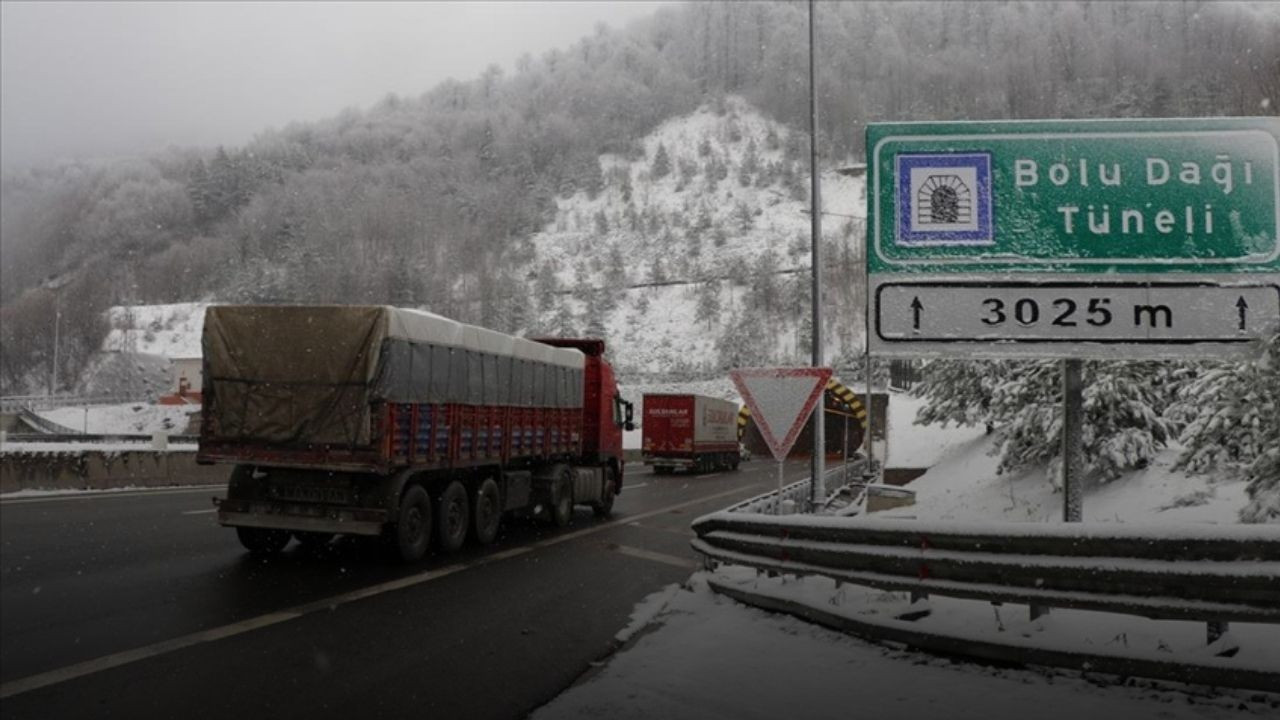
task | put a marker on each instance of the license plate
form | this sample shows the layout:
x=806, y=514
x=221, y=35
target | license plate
x=311, y=493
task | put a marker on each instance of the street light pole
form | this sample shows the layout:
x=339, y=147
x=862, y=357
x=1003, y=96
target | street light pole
x=818, y=493
x=57, y=323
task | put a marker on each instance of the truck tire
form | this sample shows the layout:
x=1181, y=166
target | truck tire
x=562, y=500
x=453, y=517
x=604, y=508
x=411, y=535
x=263, y=541
x=486, y=512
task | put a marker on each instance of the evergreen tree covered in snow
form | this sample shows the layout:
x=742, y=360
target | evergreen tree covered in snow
x=708, y=307
x=1125, y=422
x=1235, y=427
x=661, y=166
x=959, y=391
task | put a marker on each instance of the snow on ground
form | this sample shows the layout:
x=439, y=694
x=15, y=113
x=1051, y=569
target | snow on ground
x=123, y=419
x=912, y=445
x=964, y=486
x=170, y=331
x=711, y=658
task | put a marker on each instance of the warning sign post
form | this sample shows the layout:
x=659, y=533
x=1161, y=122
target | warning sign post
x=780, y=400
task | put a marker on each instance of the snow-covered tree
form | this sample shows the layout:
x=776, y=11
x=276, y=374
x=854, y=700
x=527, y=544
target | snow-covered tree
x=958, y=391
x=708, y=307
x=1124, y=410
x=1235, y=427
x=661, y=166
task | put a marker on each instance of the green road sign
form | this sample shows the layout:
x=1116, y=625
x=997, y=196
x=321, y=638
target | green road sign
x=973, y=229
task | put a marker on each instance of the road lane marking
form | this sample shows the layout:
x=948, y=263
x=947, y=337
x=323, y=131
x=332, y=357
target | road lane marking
x=629, y=486
x=104, y=494
x=90, y=667
x=200, y=512
x=656, y=556
x=687, y=532
x=164, y=647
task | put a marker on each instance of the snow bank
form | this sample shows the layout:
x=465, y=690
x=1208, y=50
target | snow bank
x=713, y=658
x=123, y=419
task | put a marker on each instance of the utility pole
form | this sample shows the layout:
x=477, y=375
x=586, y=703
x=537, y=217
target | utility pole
x=818, y=488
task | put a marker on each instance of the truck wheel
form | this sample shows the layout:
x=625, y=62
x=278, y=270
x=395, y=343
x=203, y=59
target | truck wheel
x=412, y=531
x=262, y=541
x=488, y=512
x=454, y=516
x=562, y=501
x=604, y=508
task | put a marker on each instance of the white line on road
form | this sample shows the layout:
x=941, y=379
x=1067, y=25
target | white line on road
x=632, y=487
x=656, y=556
x=89, y=667
x=200, y=512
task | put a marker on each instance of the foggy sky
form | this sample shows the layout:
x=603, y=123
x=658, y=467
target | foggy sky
x=81, y=79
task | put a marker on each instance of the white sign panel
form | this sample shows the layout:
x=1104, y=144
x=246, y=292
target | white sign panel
x=781, y=400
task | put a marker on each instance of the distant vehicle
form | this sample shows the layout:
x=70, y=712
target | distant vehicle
x=694, y=432
x=401, y=424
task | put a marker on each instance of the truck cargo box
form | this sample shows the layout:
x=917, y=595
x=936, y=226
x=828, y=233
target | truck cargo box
x=310, y=375
x=689, y=430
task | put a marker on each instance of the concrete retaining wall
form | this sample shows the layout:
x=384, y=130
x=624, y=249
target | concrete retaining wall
x=99, y=470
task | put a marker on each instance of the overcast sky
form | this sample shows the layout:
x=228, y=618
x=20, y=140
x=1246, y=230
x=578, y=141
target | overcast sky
x=82, y=79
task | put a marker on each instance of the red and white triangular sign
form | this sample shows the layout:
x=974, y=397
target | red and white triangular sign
x=781, y=400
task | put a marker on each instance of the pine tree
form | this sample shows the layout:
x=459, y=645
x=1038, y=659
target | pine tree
x=958, y=391
x=750, y=164
x=1124, y=424
x=626, y=186
x=657, y=271
x=1234, y=411
x=562, y=323
x=708, y=307
x=661, y=166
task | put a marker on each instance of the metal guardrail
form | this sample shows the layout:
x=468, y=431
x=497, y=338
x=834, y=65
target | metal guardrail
x=79, y=438
x=1210, y=574
x=14, y=403
x=1213, y=574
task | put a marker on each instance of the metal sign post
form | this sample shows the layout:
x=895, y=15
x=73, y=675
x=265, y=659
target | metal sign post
x=780, y=401
x=1072, y=442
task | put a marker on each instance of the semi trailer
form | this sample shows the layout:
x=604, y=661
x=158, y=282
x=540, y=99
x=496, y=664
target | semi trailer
x=401, y=424
x=694, y=432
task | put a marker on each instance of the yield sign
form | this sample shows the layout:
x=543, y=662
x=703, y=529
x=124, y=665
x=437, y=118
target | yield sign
x=781, y=400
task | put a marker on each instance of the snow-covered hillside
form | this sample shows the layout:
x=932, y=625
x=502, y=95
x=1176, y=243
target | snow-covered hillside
x=170, y=331
x=687, y=249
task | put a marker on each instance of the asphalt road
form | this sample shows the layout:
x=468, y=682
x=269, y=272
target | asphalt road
x=139, y=605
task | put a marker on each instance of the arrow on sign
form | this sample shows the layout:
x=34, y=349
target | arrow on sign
x=1242, y=306
x=916, y=307
x=780, y=400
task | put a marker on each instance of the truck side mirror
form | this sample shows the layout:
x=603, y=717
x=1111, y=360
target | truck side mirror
x=629, y=422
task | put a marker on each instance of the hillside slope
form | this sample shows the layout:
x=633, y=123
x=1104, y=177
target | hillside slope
x=695, y=256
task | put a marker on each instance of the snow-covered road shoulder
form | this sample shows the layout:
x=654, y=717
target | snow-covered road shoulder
x=711, y=657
